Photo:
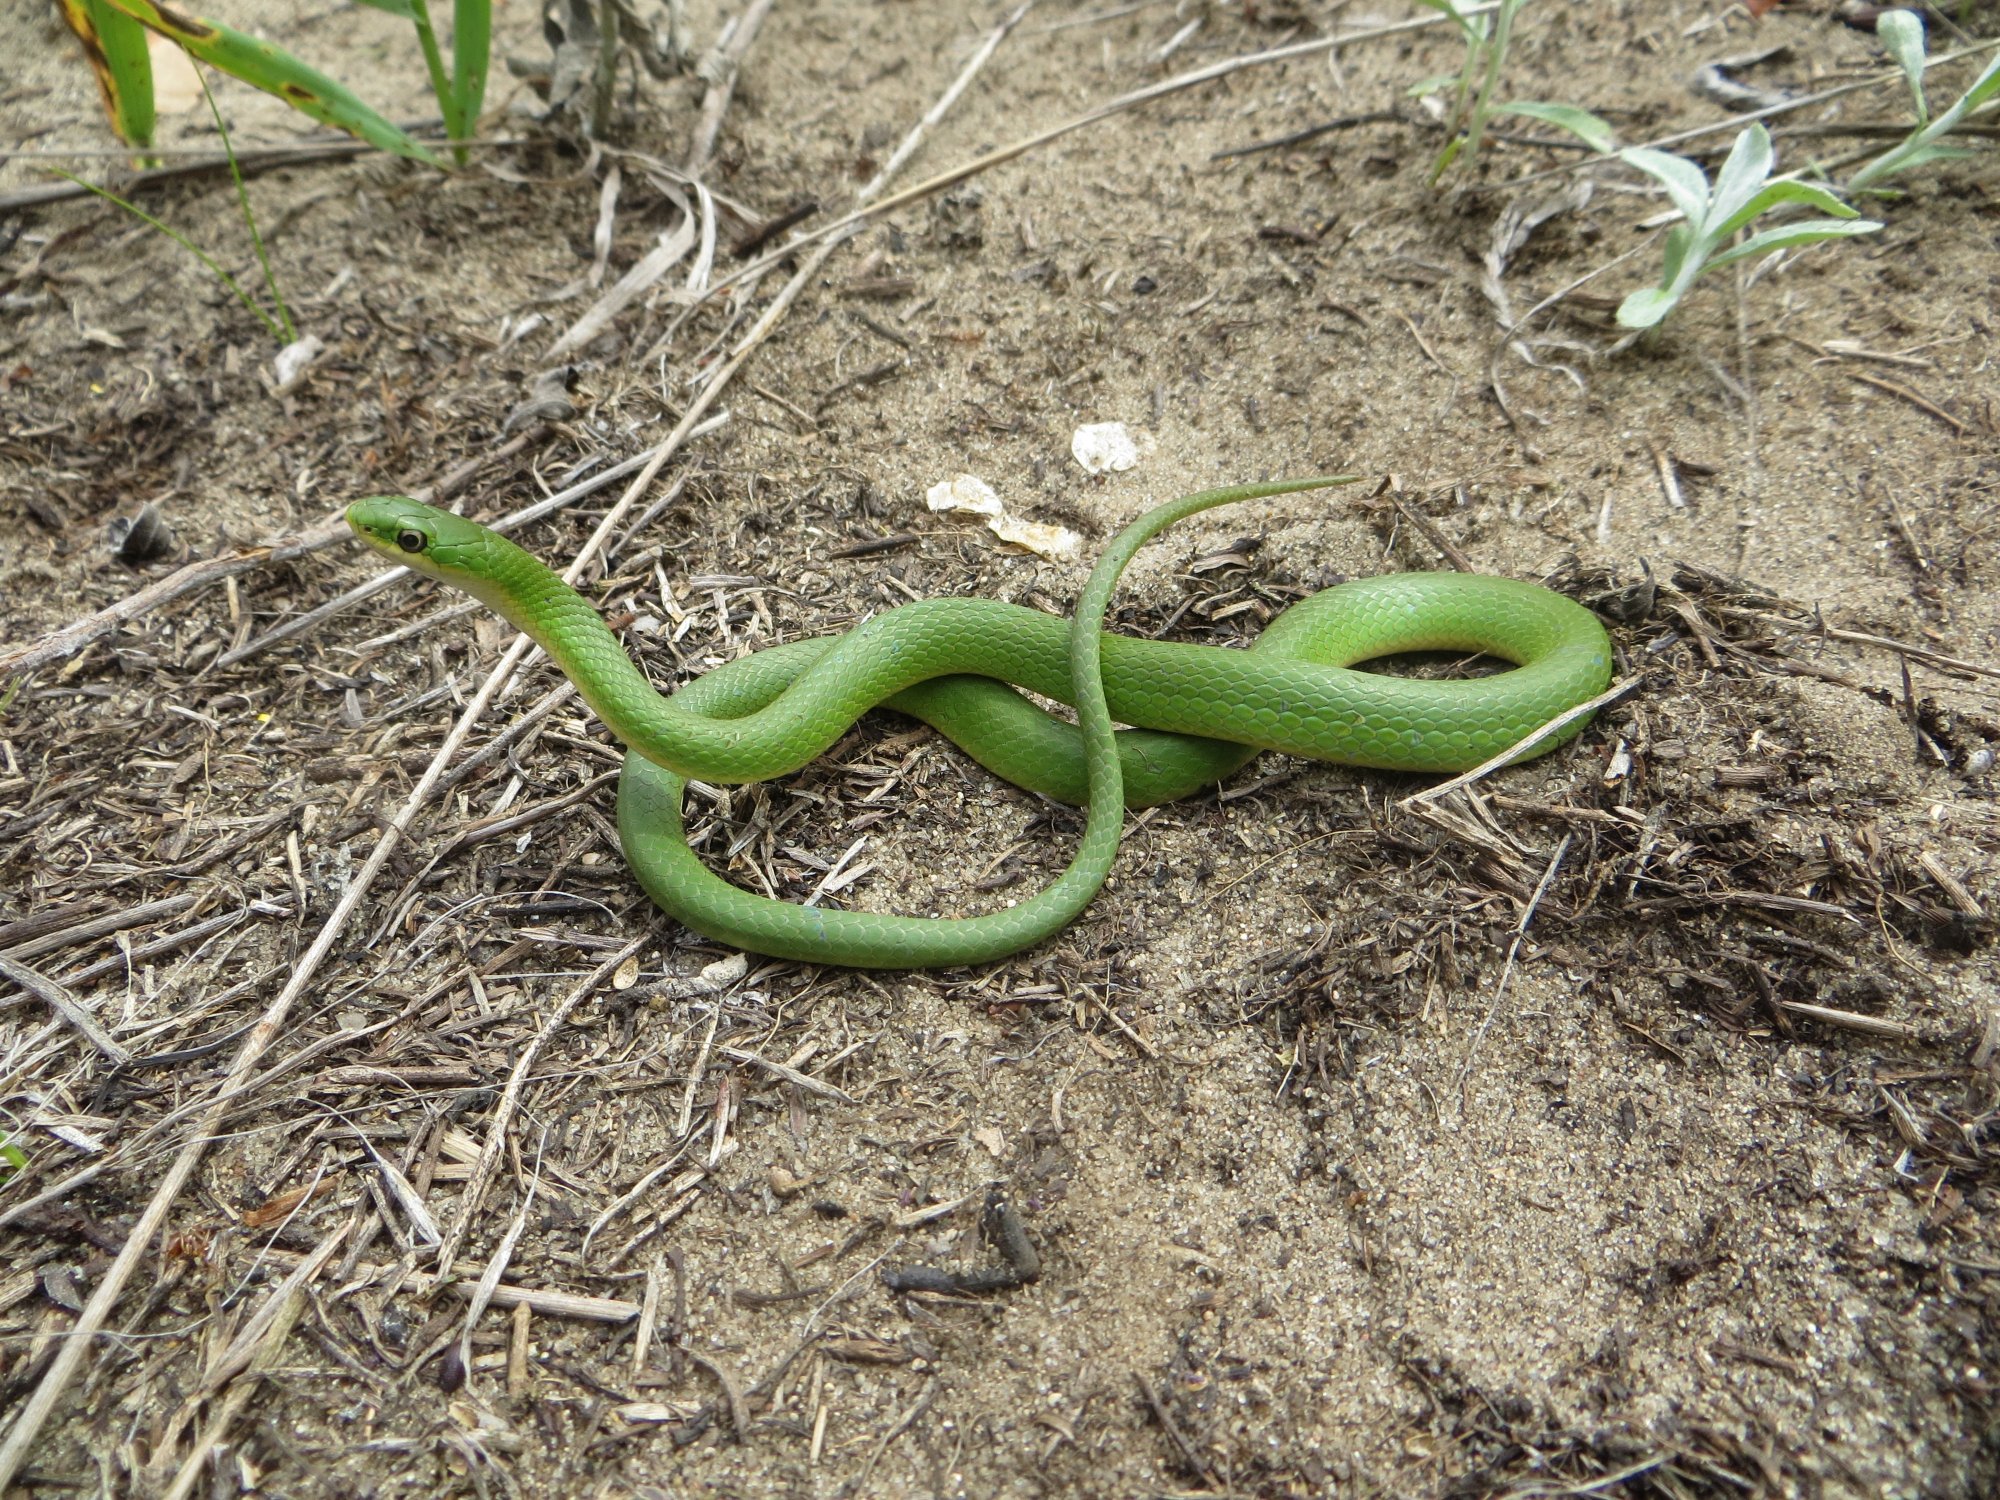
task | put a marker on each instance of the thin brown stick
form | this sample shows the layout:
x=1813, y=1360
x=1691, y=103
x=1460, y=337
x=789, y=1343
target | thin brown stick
x=901, y=1426
x=739, y=1414
x=59, y=645
x=63, y=1369
x=1917, y=399
x=1850, y=1020
x=1172, y=1430
x=1924, y=654
x=72, y=1011
x=496, y=1267
x=31, y=937
x=1507, y=968
x=510, y=1099
x=1562, y=720
x=1430, y=529
x=793, y=1076
x=249, y=161
x=915, y=137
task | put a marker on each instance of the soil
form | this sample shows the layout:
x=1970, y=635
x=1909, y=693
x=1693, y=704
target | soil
x=1624, y=1127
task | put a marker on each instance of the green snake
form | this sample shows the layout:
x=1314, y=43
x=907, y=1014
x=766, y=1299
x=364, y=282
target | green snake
x=1198, y=712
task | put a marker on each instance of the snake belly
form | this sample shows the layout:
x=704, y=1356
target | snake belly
x=1197, y=712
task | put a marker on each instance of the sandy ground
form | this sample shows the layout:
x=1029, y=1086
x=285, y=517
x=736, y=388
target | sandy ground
x=1622, y=1132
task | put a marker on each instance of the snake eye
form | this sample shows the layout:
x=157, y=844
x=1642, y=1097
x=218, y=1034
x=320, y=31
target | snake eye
x=412, y=540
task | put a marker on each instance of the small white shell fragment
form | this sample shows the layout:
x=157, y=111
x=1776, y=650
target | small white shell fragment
x=965, y=492
x=1619, y=766
x=1104, y=448
x=970, y=493
x=294, y=360
x=1056, y=542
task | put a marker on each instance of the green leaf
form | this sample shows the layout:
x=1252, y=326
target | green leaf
x=275, y=71
x=1775, y=193
x=1744, y=171
x=1645, y=307
x=215, y=268
x=1686, y=184
x=1680, y=241
x=1581, y=123
x=115, y=46
x=1473, y=28
x=402, y=10
x=1901, y=32
x=1805, y=232
x=471, y=50
x=1921, y=145
x=1447, y=156
x=1983, y=88
x=1425, y=86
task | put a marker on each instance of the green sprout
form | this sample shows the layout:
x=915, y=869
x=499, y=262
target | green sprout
x=1487, y=36
x=1902, y=33
x=1711, y=218
x=115, y=46
x=113, y=34
x=281, y=327
x=461, y=91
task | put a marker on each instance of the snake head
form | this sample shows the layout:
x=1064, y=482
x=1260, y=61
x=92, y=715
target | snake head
x=409, y=532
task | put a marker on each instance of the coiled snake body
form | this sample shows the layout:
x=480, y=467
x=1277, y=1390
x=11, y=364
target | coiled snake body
x=1198, y=711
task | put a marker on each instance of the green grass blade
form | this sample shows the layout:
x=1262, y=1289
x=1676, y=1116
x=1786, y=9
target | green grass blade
x=1984, y=87
x=115, y=46
x=184, y=242
x=249, y=218
x=276, y=71
x=420, y=17
x=1646, y=307
x=1918, y=147
x=471, y=54
x=1581, y=123
x=1446, y=157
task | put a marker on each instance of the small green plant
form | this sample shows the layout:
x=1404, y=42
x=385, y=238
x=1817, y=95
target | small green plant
x=1902, y=33
x=280, y=327
x=115, y=46
x=461, y=91
x=1711, y=217
x=113, y=34
x=12, y=1158
x=1487, y=36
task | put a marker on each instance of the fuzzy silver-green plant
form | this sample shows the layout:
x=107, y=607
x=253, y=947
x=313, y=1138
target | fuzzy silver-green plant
x=1901, y=32
x=1711, y=216
x=1487, y=35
